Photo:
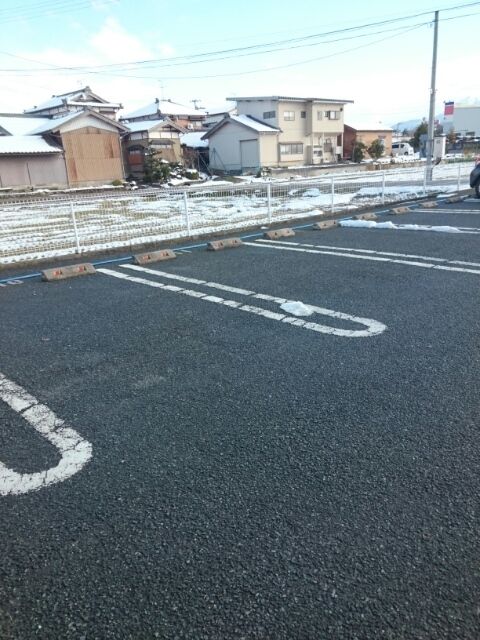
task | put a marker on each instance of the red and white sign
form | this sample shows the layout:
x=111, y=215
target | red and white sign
x=448, y=111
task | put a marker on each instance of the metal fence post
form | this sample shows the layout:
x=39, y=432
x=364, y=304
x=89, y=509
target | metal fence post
x=75, y=229
x=187, y=217
x=332, y=193
x=458, y=176
x=425, y=182
x=383, y=188
x=269, y=202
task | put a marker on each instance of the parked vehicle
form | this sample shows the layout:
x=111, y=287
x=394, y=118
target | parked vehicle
x=475, y=179
x=402, y=149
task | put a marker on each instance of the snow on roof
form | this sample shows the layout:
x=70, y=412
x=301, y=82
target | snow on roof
x=193, y=139
x=368, y=126
x=25, y=144
x=143, y=125
x=253, y=123
x=50, y=124
x=55, y=101
x=54, y=123
x=72, y=97
x=20, y=125
x=289, y=98
x=167, y=107
x=246, y=121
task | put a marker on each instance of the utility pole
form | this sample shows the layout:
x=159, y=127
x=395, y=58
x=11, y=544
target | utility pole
x=433, y=91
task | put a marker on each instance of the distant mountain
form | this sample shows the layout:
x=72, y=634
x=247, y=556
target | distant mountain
x=409, y=125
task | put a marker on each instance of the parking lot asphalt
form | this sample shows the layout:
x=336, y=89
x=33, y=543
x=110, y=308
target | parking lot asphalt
x=249, y=477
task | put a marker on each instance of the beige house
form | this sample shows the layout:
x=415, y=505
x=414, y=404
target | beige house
x=241, y=143
x=310, y=130
x=366, y=133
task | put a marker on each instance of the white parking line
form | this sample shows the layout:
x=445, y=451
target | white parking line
x=372, y=327
x=74, y=450
x=437, y=210
x=366, y=255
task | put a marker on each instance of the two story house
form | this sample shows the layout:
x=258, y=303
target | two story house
x=78, y=100
x=308, y=130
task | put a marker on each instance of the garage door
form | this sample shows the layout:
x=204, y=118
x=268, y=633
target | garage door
x=249, y=154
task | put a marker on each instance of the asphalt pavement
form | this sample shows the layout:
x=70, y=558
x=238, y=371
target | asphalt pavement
x=252, y=475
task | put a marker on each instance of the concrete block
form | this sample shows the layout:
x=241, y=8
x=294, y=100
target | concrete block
x=154, y=256
x=396, y=211
x=324, y=225
x=454, y=199
x=228, y=243
x=273, y=234
x=430, y=204
x=70, y=271
x=365, y=216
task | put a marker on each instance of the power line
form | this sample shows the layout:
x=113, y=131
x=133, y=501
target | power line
x=86, y=69
x=50, y=8
x=237, y=50
x=116, y=74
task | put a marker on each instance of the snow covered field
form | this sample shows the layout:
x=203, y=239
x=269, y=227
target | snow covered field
x=52, y=226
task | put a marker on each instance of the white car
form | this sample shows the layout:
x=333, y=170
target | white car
x=402, y=149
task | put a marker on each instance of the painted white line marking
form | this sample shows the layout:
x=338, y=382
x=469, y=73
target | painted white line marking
x=373, y=327
x=74, y=450
x=272, y=244
x=436, y=210
x=369, y=252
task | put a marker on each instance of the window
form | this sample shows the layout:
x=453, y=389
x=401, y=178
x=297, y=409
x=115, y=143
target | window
x=289, y=115
x=339, y=140
x=291, y=149
x=303, y=114
x=332, y=115
x=267, y=115
x=319, y=115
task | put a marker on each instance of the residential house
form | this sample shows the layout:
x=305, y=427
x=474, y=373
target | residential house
x=242, y=143
x=366, y=133
x=162, y=135
x=78, y=100
x=86, y=142
x=310, y=130
x=186, y=117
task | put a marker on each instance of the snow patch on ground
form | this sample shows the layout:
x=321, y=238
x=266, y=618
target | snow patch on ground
x=297, y=308
x=370, y=224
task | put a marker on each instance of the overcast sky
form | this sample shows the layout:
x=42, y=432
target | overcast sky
x=318, y=48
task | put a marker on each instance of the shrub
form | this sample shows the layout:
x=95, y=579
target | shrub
x=358, y=152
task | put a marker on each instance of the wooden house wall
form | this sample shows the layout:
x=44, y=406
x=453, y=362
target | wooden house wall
x=92, y=156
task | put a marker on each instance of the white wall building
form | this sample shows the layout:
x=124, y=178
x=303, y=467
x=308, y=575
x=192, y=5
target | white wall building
x=466, y=120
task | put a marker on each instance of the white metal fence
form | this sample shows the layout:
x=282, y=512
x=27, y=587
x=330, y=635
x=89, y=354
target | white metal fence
x=60, y=224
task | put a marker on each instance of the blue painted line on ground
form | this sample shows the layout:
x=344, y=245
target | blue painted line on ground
x=124, y=259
